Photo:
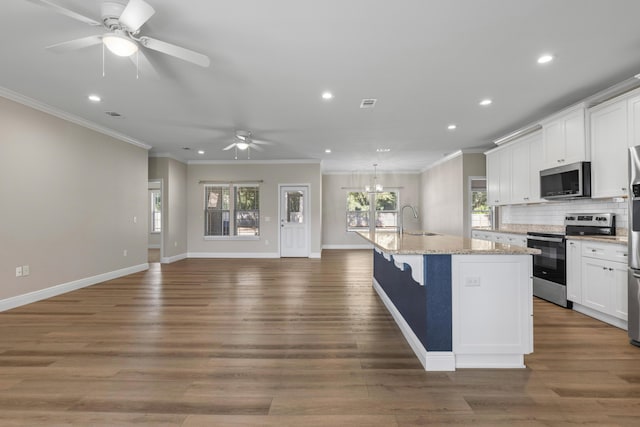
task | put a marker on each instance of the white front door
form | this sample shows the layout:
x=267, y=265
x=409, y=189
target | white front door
x=294, y=221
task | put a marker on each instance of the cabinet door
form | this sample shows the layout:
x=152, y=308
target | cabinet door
x=535, y=166
x=574, y=270
x=633, y=107
x=609, y=150
x=493, y=178
x=553, y=146
x=620, y=290
x=595, y=284
x=574, y=138
x=505, y=175
x=520, y=175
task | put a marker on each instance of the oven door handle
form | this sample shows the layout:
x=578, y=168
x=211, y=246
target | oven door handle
x=546, y=239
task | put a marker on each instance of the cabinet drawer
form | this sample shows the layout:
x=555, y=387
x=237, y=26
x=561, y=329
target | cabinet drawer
x=604, y=251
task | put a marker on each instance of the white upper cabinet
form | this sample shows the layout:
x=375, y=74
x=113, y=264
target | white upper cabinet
x=633, y=110
x=609, y=143
x=499, y=176
x=564, y=138
x=526, y=159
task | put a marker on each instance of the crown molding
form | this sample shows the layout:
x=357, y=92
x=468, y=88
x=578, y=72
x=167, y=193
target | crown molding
x=255, y=162
x=46, y=108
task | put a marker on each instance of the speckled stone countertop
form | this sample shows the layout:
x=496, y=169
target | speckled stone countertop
x=417, y=244
x=620, y=238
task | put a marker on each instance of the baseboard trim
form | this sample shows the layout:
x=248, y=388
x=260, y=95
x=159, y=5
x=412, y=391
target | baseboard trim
x=315, y=255
x=31, y=297
x=170, y=259
x=233, y=255
x=365, y=246
x=153, y=247
x=430, y=360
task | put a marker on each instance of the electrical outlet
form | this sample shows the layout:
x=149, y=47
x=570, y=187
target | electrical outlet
x=175, y=244
x=25, y=270
x=124, y=253
x=266, y=242
x=472, y=281
x=19, y=271
x=135, y=219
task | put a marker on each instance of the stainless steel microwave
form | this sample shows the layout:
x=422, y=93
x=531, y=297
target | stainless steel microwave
x=566, y=182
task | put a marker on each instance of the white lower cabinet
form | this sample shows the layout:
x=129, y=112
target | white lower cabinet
x=498, y=237
x=602, y=286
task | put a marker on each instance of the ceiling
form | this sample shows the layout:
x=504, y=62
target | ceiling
x=427, y=62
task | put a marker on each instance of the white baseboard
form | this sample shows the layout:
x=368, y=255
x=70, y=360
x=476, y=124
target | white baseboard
x=170, y=259
x=490, y=361
x=614, y=321
x=364, y=246
x=430, y=360
x=315, y=255
x=153, y=247
x=233, y=255
x=19, y=300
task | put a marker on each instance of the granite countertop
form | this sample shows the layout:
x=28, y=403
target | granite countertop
x=620, y=240
x=415, y=243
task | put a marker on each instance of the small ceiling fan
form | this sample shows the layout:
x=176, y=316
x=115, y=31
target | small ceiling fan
x=244, y=141
x=123, y=23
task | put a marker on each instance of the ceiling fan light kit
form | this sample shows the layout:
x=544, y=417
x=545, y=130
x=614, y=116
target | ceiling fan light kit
x=119, y=44
x=123, y=23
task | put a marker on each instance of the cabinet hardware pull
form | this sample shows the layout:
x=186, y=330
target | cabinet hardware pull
x=593, y=250
x=610, y=269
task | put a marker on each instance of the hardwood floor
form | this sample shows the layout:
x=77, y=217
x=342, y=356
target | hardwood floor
x=286, y=342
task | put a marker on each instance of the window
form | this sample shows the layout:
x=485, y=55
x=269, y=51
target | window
x=480, y=212
x=226, y=201
x=156, y=211
x=359, y=210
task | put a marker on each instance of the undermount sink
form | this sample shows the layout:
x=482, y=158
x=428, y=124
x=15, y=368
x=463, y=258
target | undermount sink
x=420, y=233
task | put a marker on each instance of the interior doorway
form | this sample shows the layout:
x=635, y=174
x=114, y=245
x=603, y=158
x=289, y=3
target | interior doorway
x=155, y=221
x=480, y=212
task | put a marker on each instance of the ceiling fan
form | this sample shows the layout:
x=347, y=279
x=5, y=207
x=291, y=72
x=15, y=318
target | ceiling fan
x=122, y=22
x=244, y=141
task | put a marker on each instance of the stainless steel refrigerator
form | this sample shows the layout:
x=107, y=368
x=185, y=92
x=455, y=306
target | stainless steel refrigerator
x=634, y=245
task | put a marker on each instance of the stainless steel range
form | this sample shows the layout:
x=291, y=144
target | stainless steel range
x=549, y=268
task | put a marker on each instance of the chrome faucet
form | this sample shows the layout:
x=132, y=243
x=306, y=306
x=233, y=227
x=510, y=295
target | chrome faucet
x=401, y=225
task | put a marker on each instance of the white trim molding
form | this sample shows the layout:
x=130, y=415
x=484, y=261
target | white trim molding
x=233, y=255
x=46, y=108
x=430, y=360
x=170, y=259
x=31, y=297
x=367, y=246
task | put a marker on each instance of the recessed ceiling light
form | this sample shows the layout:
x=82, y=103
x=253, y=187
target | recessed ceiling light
x=327, y=95
x=200, y=151
x=328, y=150
x=383, y=150
x=452, y=127
x=486, y=102
x=94, y=98
x=545, y=59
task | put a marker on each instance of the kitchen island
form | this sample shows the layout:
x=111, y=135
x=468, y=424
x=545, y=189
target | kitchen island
x=459, y=302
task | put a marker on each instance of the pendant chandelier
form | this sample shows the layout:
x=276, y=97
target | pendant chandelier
x=374, y=186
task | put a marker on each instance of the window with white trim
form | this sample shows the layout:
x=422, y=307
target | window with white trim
x=155, y=211
x=359, y=210
x=231, y=210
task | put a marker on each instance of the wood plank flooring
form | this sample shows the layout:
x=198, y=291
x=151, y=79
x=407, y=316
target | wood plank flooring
x=286, y=342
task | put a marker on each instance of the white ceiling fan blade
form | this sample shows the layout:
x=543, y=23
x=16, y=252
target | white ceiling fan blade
x=70, y=13
x=75, y=44
x=261, y=142
x=256, y=147
x=177, y=51
x=229, y=147
x=135, y=14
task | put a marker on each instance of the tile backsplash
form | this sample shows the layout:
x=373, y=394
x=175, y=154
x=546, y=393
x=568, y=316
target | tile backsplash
x=553, y=213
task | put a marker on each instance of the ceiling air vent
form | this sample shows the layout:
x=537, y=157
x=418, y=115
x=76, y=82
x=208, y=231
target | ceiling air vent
x=368, y=103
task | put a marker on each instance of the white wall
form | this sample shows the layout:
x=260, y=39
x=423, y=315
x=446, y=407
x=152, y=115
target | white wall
x=272, y=174
x=335, y=188
x=68, y=198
